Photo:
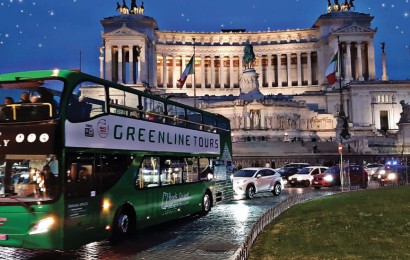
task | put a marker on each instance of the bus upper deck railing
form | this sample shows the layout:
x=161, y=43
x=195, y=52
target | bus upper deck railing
x=163, y=118
x=26, y=111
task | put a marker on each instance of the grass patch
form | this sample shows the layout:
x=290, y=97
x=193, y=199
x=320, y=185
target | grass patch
x=368, y=224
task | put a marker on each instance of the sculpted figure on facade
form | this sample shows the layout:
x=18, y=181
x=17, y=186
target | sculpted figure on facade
x=295, y=121
x=270, y=121
x=237, y=121
x=405, y=114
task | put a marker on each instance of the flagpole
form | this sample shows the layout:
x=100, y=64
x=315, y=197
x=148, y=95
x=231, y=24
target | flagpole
x=340, y=68
x=193, y=81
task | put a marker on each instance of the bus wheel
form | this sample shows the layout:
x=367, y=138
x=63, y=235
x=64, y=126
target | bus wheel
x=206, y=203
x=124, y=225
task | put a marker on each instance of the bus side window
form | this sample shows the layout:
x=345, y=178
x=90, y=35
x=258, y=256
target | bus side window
x=149, y=173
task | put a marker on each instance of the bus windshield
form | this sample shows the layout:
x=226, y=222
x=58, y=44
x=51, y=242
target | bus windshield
x=29, y=179
x=30, y=100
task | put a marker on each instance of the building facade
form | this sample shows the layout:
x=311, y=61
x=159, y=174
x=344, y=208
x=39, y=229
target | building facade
x=299, y=102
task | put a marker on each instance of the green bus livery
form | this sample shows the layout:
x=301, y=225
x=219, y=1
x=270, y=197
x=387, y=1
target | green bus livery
x=83, y=159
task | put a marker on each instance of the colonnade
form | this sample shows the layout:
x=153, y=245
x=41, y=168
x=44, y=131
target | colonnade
x=126, y=64
x=223, y=71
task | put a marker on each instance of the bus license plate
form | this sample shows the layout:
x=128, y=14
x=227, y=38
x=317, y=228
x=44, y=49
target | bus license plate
x=3, y=237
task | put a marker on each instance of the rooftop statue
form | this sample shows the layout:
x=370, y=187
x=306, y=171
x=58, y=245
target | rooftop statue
x=133, y=10
x=248, y=55
x=336, y=7
x=405, y=114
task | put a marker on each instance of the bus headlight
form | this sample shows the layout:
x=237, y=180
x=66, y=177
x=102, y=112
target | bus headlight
x=328, y=178
x=42, y=226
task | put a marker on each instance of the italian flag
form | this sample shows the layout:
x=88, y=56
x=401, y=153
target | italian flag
x=188, y=70
x=331, y=70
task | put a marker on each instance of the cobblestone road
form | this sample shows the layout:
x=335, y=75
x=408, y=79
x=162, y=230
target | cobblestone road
x=215, y=236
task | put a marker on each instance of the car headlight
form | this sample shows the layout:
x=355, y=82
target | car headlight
x=391, y=176
x=382, y=172
x=210, y=176
x=328, y=178
x=42, y=226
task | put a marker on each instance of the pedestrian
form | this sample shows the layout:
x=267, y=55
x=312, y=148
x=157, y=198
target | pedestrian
x=267, y=165
x=273, y=164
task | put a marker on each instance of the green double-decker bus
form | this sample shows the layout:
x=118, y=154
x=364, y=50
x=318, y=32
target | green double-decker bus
x=83, y=159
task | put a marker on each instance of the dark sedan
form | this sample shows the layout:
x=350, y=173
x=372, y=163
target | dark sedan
x=331, y=177
x=286, y=172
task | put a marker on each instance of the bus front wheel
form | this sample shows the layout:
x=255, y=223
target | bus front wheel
x=124, y=225
x=206, y=203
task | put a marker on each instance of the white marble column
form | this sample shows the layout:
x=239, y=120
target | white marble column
x=164, y=70
x=174, y=72
x=309, y=68
x=108, y=62
x=348, y=62
x=259, y=68
x=279, y=65
x=230, y=71
x=359, y=61
x=142, y=67
x=371, y=62
x=212, y=71
x=120, y=64
x=131, y=63
x=240, y=70
x=289, y=68
x=203, y=71
x=269, y=71
x=262, y=122
x=101, y=58
x=221, y=72
x=299, y=68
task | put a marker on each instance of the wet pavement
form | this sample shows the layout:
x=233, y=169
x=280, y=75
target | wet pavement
x=218, y=235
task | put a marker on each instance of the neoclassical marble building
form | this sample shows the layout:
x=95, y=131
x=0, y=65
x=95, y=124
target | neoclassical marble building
x=298, y=101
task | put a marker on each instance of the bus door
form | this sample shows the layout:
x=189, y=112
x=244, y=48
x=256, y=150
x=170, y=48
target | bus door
x=82, y=205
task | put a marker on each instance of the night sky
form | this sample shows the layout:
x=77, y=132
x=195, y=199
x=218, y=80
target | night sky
x=47, y=34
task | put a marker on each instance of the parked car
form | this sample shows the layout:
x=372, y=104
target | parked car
x=305, y=176
x=286, y=172
x=249, y=181
x=331, y=177
x=372, y=169
x=394, y=174
x=297, y=165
